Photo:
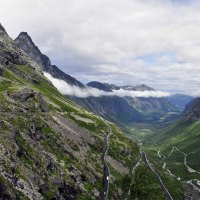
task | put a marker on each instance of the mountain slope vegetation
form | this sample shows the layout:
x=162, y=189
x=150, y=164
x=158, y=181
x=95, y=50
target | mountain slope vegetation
x=176, y=148
x=51, y=148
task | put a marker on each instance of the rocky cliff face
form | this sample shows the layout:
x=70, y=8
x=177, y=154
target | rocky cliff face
x=25, y=42
x=10, y=54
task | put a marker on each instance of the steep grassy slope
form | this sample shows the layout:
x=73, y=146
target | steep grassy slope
x=184, y=134
x=49, y=146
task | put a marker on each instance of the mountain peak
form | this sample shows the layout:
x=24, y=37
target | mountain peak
x=141, y=87
x=144, y=87
x=24, y=34
x=99, y=85
x=24, y=42
x=25, y=38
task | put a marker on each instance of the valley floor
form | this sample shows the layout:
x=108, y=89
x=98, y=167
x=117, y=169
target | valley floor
x=173, y=162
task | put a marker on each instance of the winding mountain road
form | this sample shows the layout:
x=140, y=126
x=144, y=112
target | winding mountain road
x=191, y=170
x=164, y=189
x=106, y=172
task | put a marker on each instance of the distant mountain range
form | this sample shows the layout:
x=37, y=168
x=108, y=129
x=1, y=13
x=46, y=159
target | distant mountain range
x=126, y=109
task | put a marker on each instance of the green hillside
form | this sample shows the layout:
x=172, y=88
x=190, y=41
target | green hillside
x=176, y=149
x=44, y=135
x=51, y=148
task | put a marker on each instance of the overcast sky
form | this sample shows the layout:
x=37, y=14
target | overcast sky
x=125, y=42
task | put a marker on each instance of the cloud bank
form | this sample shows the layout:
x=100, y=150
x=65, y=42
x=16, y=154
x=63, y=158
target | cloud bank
x=70, y=90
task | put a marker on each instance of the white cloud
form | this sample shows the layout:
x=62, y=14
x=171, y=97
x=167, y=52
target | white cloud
x=67, y=89
x=115, y=40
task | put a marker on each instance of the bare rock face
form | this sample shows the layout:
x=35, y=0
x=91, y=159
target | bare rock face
x=25, y=42
x=30, y=99
x=23, y=95
x=10, y=54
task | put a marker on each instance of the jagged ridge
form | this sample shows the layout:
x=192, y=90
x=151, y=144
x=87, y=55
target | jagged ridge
x=25, y=42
